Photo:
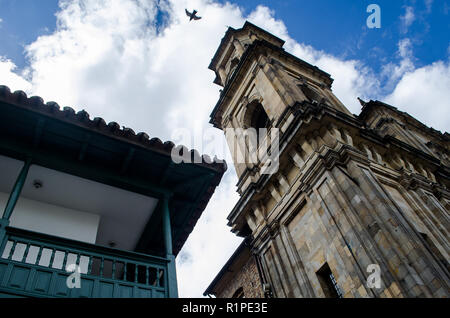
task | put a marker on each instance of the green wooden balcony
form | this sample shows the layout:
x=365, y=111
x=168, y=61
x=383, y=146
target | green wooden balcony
x=136, y=196
x=34, y=265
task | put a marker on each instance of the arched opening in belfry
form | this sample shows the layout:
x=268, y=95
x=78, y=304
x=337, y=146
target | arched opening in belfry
x=259, y=118
x=255, y=121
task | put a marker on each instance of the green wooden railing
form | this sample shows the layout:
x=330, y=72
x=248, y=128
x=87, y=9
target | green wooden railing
x=35, y=264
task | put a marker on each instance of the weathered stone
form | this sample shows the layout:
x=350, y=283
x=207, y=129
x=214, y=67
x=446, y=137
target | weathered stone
x=349, y=194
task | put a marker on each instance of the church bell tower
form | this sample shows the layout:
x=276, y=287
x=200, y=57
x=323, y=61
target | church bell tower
x=340, y=215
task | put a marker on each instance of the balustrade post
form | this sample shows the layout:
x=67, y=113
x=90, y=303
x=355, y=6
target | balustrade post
x=171, y=267
x=3, y=239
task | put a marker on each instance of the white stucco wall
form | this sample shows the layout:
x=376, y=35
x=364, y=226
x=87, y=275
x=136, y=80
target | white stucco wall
x=53, y=220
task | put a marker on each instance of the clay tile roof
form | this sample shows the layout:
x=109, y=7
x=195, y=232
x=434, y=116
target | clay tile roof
x=98, y=124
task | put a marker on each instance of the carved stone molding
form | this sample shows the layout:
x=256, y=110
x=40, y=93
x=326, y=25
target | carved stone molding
x=274, y=229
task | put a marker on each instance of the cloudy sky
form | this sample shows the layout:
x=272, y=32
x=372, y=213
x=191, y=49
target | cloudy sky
x=142, y=64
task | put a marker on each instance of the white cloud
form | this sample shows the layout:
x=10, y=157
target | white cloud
x=407, y=19
x=424, y=94
x=392, y=71
x=109, y=58
x=9, y=76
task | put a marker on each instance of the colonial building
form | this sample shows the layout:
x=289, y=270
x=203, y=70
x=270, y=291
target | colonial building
x=354, y=198
x=79, y=196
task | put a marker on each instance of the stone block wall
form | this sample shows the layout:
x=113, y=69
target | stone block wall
x=247, y=278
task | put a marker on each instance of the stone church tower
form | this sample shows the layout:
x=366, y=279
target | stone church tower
x=353, y=196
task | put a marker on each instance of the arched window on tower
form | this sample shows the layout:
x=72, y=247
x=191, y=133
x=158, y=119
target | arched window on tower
x=256, y=118
x=259, y=118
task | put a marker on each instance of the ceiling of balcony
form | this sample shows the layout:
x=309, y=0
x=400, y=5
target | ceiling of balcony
x=123, y=214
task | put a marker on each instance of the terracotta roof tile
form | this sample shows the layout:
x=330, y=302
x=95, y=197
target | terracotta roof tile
x=98, y=124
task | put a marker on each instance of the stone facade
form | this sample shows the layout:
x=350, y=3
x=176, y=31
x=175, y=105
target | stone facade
x=350, y=191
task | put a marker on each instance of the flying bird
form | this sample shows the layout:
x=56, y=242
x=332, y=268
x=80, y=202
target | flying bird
x=192, y=15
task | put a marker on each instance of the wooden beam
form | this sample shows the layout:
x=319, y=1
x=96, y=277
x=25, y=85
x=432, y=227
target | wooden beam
x=171, y=267
x=38, y=132
x=167, y=228
x=84, y=147
x=193, y=181
x=17, y=189
x=165, y=173
x=127, y=160
x=58, y=161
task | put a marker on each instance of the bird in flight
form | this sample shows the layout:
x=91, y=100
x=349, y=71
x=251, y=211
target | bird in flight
x=192, y=15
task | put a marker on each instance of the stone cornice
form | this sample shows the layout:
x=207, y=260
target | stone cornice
x=371, y=105
x=328, y=158
x=255, y=49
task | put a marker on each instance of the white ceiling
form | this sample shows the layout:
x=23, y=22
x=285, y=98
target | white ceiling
x=123, y=214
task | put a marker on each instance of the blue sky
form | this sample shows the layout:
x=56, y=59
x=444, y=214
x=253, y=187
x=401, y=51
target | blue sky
x=337, y=27
x=142, y=64
x=22, y=22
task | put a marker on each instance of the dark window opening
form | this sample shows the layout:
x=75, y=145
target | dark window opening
x=257, y=123
x=328, y=282
x=239, y=293
x=259, y=119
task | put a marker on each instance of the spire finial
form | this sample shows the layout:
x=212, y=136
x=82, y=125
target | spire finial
x=363, y=103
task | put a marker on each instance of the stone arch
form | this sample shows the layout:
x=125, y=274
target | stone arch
x=255, y=117
x=254, y=108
